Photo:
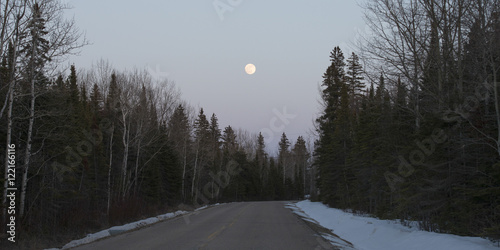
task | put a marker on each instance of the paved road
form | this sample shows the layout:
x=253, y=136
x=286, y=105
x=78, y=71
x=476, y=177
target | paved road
x=244, y=225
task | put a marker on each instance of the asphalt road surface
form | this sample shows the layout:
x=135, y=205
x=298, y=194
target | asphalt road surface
x=243, y=225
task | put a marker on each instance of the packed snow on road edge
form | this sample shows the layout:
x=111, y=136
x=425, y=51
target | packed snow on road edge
x=367, y=233
x=127, y=227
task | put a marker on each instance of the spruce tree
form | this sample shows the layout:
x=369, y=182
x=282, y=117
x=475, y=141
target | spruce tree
x=261, y=162
x=300, y=157
x=179, y=132
x=326, y=145
x=354, y=78
x=229, y=144
x=96, y=100
x=201, y=151
x=215, y=137
x=283, y=157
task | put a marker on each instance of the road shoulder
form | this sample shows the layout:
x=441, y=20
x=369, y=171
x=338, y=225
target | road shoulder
x=327, y=234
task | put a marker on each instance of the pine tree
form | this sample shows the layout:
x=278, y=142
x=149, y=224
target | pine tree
x=72, y=83
x=202, y=142
x=300, y=156
x=275, y=190
x=113, y=99
x=356, y=86
x=112, y=111
x=354, y=79
x=36, y=48
x=229, y=144
x=215, y=136
x=342, y=144
x=432, y=84
x=332, y=82
x=363, y=155
x=283, y=157
x=179, y=137
x=96, y=100
x=327, y=145
x=85, y=108
x=261, y=162
x=162, y=179
x=215, y=153
x=75, y=105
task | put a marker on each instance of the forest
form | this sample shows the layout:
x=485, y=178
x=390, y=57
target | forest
x=408, y=129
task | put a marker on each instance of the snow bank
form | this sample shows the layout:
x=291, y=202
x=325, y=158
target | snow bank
x=127, y=227
x=170, y=215
x=120, y=229
x=201, y=208
x=367, y=233
x=88, y=239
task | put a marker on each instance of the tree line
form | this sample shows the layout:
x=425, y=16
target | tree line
x=421, y=142
x=135, y=149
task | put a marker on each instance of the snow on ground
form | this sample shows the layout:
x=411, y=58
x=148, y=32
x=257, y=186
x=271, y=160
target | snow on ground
x=367, y=233
x=120, y=229
x=127, y=227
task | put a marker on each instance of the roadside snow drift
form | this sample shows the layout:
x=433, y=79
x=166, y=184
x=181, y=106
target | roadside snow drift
x=127, y=227
x=120, y=229
x=367, y=233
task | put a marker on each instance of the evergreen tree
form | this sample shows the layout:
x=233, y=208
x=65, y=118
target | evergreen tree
x=261, y=162
x=229, y=144
x=36, y=46
x=201, y=151
x=215, y=164
x=327, y=143
x=113, y=99
x=354, y=80
x=180, y=139
x=72, y=83
x=96, y=100
x=215, y=136
x=275, y=188
x=300, y=158
x=283, y=157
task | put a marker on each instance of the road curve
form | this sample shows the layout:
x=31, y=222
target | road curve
x=243, y=225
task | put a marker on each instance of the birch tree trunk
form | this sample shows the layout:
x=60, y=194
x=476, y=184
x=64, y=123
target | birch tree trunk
x=109, y=169
x=27, y=154
x=194, y=170
x=125, y=141
x=139, y=138
x=497, y=108
x=184, y=169
x=136, y=176
x=8, y=142
x=10, y=104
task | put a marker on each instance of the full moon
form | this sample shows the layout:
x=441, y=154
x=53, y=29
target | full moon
x=250, y=69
